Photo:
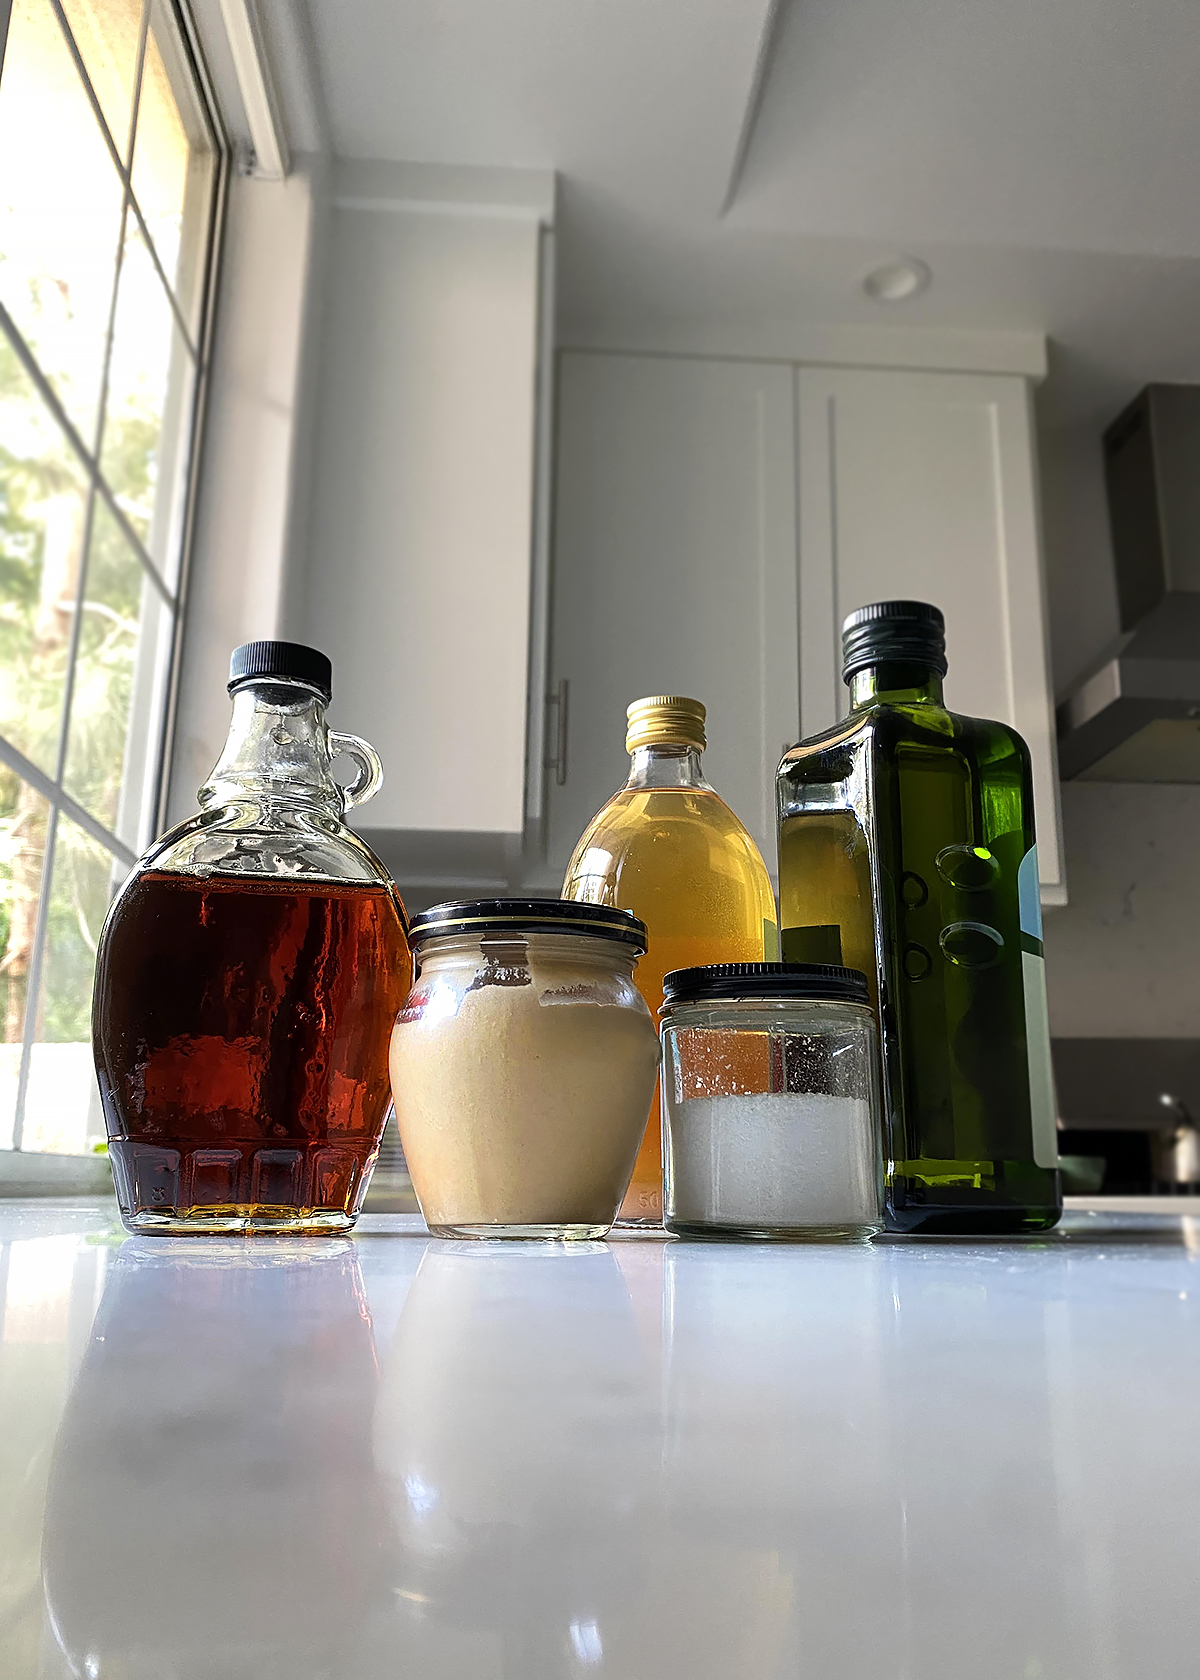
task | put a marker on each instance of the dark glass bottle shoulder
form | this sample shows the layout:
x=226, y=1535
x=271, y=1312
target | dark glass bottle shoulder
x=984, y=740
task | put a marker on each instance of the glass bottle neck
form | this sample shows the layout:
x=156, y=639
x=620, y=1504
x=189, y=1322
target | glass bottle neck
x=895, y=683
x=277, y=749
x=666, y=765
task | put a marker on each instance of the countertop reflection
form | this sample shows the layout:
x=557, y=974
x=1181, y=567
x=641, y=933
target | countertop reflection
x=395, y=1456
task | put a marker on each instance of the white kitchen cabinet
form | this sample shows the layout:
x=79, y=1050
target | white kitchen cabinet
x=426, y=580
x=707, y=544
x=924, y=485
x=674, y=572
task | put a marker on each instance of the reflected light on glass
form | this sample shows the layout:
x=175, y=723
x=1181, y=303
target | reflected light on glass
x=422, y=1498
x=586, y=1642
x=441, y=1004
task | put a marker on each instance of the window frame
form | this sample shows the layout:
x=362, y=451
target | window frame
x=89, y=1172
x=224, y=161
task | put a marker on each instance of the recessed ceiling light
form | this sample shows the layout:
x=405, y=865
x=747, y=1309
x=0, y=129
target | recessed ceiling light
x=895, y=282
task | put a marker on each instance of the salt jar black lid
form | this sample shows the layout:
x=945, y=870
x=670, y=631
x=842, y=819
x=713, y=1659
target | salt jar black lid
x=781, y=982
x=515, y=916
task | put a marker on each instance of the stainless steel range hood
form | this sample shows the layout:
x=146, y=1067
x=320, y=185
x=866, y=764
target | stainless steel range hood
x=1135, y=717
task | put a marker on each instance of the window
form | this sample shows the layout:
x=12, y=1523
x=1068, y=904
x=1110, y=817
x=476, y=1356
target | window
x=110, y=183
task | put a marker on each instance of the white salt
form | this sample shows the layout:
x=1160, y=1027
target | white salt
x=774, y=1159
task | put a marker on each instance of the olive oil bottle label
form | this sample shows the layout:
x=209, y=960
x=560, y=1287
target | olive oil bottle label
x=1037, y=1015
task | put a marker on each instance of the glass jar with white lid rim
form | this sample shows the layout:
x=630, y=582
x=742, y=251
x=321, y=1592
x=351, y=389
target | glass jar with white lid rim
x=770, y=1103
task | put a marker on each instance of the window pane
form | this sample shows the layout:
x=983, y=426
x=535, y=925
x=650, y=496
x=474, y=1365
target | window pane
x=174, y=163
x=120, y=675
x=24, y=815
x=147, y=429
x=62, y=1104
x=106, y=33
x=42, y=507
x=60, y=211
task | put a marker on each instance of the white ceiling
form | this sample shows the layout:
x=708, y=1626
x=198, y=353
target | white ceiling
x=1041, y=157
x=1051, y=124
x=640, y=98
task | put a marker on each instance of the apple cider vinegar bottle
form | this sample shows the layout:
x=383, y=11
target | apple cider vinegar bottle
x=667, y=847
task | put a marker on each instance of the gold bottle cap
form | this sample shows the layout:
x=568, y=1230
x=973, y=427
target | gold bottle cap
x=665, y=720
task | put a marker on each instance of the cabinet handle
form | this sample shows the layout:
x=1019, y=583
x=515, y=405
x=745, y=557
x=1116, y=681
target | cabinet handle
x=559, y=698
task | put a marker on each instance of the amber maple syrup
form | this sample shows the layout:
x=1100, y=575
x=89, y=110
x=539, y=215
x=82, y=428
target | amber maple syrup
x=242, y=1031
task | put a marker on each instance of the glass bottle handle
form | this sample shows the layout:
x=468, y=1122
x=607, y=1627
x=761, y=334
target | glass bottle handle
x=370, y=770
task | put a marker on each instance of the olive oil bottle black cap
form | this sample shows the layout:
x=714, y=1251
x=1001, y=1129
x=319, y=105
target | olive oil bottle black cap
x=908, y=632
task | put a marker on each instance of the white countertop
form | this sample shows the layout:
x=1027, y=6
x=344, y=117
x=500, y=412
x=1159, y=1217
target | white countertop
x=393, y=1457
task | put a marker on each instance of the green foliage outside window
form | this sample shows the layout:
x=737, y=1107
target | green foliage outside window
x=34, y=643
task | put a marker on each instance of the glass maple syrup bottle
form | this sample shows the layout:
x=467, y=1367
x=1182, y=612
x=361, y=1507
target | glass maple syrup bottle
x=667, y=847
x=247, y=980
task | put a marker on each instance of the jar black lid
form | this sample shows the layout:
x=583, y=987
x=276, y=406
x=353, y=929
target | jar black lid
x=254, y=661
x=799, y=982
x=901, y=631
x=516, y=916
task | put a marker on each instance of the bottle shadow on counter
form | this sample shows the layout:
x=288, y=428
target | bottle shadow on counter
x=212, y=1506
x=516, y=1435
x=560, y=1502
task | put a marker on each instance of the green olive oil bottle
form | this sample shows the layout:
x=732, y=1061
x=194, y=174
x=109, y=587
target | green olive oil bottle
x=906, y=849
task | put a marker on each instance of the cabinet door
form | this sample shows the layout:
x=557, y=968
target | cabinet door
x=924, y=485
x=674, y=571
x=422, y=511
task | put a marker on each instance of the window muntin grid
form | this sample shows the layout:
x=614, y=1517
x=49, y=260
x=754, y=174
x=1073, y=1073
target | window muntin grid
x=111, y=169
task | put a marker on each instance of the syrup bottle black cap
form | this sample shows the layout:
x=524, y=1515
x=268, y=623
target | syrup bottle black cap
x=255, y=660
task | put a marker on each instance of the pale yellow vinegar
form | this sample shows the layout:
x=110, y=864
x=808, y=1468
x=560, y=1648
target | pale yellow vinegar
x=681, y=860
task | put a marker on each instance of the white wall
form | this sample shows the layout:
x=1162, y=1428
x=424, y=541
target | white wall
x=1080, y=581
x=243, y=583
x=1123, y=958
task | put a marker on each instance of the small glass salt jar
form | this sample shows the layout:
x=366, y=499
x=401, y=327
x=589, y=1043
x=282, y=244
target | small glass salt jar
x=770, y=1103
